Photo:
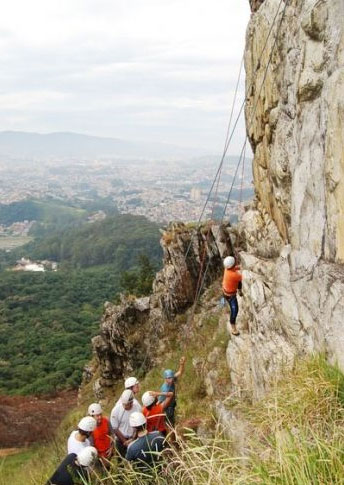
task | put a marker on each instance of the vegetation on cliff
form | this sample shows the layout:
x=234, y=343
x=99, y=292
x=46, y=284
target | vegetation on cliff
x=295, y=436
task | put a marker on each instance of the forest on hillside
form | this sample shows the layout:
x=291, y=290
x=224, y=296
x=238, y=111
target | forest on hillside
x=47, y=319
x=116, y=240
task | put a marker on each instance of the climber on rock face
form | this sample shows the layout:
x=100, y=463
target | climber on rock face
x=231, y=283
x=169, y=386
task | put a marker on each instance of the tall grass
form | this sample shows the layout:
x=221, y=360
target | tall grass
x=296, y=438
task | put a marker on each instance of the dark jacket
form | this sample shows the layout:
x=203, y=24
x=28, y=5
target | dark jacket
x=68, y=472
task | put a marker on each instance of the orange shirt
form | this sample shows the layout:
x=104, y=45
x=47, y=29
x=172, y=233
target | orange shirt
x=155, y=418
x=101, y=437
x=231, y=279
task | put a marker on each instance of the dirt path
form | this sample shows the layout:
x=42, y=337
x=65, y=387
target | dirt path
x=25, y=420
x=9, y=451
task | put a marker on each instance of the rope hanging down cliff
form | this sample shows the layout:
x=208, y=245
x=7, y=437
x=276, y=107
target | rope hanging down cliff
x=229, y=137
x=201, y=281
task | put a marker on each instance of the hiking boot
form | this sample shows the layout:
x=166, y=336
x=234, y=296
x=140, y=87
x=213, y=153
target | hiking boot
x=235, y=331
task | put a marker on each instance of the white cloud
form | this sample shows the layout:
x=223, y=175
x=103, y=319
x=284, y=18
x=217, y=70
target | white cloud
x=32, y=100
x=109, y=66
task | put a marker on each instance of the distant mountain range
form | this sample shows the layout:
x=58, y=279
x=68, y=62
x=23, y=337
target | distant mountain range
x=18, y=144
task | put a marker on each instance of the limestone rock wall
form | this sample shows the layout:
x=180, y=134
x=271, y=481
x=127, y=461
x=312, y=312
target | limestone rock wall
x=295, y=125
x=294, y=232
x=187, y=252
x=255, y=4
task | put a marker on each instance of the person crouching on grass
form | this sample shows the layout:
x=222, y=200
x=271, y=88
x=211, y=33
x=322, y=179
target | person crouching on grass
x=75, y=468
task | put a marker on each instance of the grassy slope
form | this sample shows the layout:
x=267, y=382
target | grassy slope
x=12, y=242
x=191, y=399
x=295, y=436
x=46, y=211
x=13, y=463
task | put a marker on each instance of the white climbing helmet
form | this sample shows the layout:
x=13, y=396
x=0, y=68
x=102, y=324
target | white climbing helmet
x=229, y=262
x=87, y=424
x=130, y=382
x=87, y=456
x=94, y=409
x=147, y=399
x=127, y=396
x=137, y=419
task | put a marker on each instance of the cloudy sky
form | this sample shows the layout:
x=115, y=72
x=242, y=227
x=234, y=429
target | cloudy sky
x=156, y=70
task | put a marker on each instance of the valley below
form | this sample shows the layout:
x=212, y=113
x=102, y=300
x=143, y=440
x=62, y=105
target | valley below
x=31, y=419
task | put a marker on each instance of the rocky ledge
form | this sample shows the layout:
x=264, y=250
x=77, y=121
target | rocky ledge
x=130, y=333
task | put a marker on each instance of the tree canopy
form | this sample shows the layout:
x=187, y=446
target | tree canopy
x=47, y=319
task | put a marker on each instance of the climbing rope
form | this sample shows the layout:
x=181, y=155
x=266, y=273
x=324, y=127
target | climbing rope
x=216, y=180
x=233, y=181
x=201, y=284
x=242, y=177
x=225, y=148
x=230, y=136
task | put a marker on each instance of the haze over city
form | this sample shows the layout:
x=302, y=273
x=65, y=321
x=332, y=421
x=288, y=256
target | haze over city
x=155, y=71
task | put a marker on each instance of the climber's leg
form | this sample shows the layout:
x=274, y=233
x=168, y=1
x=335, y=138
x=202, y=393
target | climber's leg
x=234, y=309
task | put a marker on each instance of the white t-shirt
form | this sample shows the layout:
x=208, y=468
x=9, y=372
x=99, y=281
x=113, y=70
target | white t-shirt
x=119, y=418
x=74, y=446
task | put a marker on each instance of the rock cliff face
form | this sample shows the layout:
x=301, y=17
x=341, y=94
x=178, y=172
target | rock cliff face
x=187, y=254
x=255, y=4
x=291, y=239
x=294, y=233
x=130, y=333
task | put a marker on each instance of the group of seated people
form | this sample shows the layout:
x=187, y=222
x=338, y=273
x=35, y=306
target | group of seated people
x=135, y=433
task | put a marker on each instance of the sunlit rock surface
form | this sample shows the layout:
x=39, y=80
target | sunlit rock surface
x=294, y=233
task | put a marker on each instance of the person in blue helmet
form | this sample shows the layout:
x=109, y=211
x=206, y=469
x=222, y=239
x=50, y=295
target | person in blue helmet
x=170, y=386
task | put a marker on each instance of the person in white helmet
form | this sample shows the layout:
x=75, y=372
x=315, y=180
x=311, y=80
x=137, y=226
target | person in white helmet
x=119, y=419
x=231, y=283
x=146, y=450
x=75, y=468
x=133, y=384
x=78, y=439
x=154, y=411
x=101, y=435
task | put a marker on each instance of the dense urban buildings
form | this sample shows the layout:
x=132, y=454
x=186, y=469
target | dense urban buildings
x=161, y=190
